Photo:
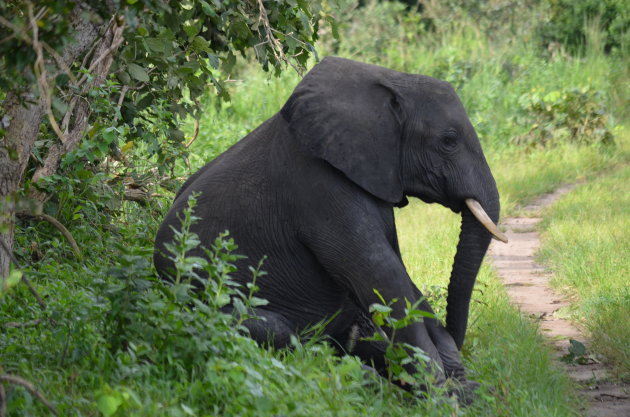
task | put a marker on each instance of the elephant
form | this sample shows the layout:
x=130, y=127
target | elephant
x=314, y=188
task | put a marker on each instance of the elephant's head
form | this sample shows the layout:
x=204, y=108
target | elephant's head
x=398, y=135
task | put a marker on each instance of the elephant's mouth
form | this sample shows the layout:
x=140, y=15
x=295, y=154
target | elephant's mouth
x=475, y=208
x=483, y=218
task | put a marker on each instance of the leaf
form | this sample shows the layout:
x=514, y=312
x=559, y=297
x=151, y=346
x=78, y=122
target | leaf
x=239, y=306
x=59, y=105
x=214, y=60
x=138, y=72
x=577, y=348
x=228, y=62
x=199, y=44
x=123, y=77
x=378, y=294
x=306, y=24
x=172, y=82
x=109, y=134
x=380, y=308
x=207, y=9
x=256, y=301
x=15, y=276
x=334, y=26
x=187, y=409
x=126, y=147
x=191, y=30
x=157, y=44
x=108, y=404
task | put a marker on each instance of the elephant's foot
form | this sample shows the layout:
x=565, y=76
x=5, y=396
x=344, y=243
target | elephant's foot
x=267, y=328
x=464, y=390
x=371, y=377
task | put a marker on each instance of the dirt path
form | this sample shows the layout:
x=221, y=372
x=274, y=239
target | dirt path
x=528, y=288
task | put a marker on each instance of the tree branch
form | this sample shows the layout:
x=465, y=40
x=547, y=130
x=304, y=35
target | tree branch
x=25, y=280
x=19, y=32
x=272, y=41
x=59, y=226
x=117, y=40
x=16, y=380
x=16, y=324
x=80, y=109
x=195, y=134
x=41, y=74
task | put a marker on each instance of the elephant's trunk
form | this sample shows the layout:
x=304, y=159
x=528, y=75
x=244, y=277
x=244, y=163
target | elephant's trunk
x=474, y=239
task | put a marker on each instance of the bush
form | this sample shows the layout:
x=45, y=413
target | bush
x=576, y=115
x=569, y=19
x=374, y=28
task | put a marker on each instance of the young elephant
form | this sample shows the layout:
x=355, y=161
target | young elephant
x=314, y=187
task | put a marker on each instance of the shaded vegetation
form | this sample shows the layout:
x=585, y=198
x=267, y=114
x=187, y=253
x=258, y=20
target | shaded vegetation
x=570, y=22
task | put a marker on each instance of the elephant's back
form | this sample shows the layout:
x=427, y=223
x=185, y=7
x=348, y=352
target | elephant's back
x=233, y=192
x=219, y=188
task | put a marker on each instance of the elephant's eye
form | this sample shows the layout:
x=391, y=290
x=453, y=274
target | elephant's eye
x=449, y=141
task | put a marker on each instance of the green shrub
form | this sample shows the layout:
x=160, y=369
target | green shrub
x=577, y=115
x=454, y=70
x=374, y=28
x=570, y=18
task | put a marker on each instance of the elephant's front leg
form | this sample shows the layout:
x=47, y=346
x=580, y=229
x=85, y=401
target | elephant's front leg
x=355, y=245
x=266, y=327
x=445, y=345
x=373, y=352
x=451, y=357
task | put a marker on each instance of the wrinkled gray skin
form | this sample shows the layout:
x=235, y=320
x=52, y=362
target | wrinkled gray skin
x=314, y=187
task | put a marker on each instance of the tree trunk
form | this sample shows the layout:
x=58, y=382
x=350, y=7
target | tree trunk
x=14, y=153
x=25, y=113
x=76, y=120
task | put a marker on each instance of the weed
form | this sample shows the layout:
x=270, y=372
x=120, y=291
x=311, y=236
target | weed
x=575, y=115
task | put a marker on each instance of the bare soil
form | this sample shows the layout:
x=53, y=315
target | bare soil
x=528, y=286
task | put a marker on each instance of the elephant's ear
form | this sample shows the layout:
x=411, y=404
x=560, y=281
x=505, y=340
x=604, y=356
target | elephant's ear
x=350, y=115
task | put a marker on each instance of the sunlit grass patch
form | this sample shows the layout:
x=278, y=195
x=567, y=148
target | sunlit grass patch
x=586, y=243
x=523, y=176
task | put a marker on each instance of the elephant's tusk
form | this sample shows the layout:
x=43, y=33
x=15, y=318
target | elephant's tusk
x=481, y=215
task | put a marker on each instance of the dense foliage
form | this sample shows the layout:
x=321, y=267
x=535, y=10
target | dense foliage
x=169, y=55
x=570, y=22
x=105, y=87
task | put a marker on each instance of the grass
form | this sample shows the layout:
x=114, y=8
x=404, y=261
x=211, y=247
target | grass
x=523, y=176
x=586, y=243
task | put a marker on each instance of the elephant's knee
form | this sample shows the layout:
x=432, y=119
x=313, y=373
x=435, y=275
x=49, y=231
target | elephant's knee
x=268, y=328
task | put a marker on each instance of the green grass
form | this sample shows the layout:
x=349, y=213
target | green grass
x=522, y=176
x=586, y=243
